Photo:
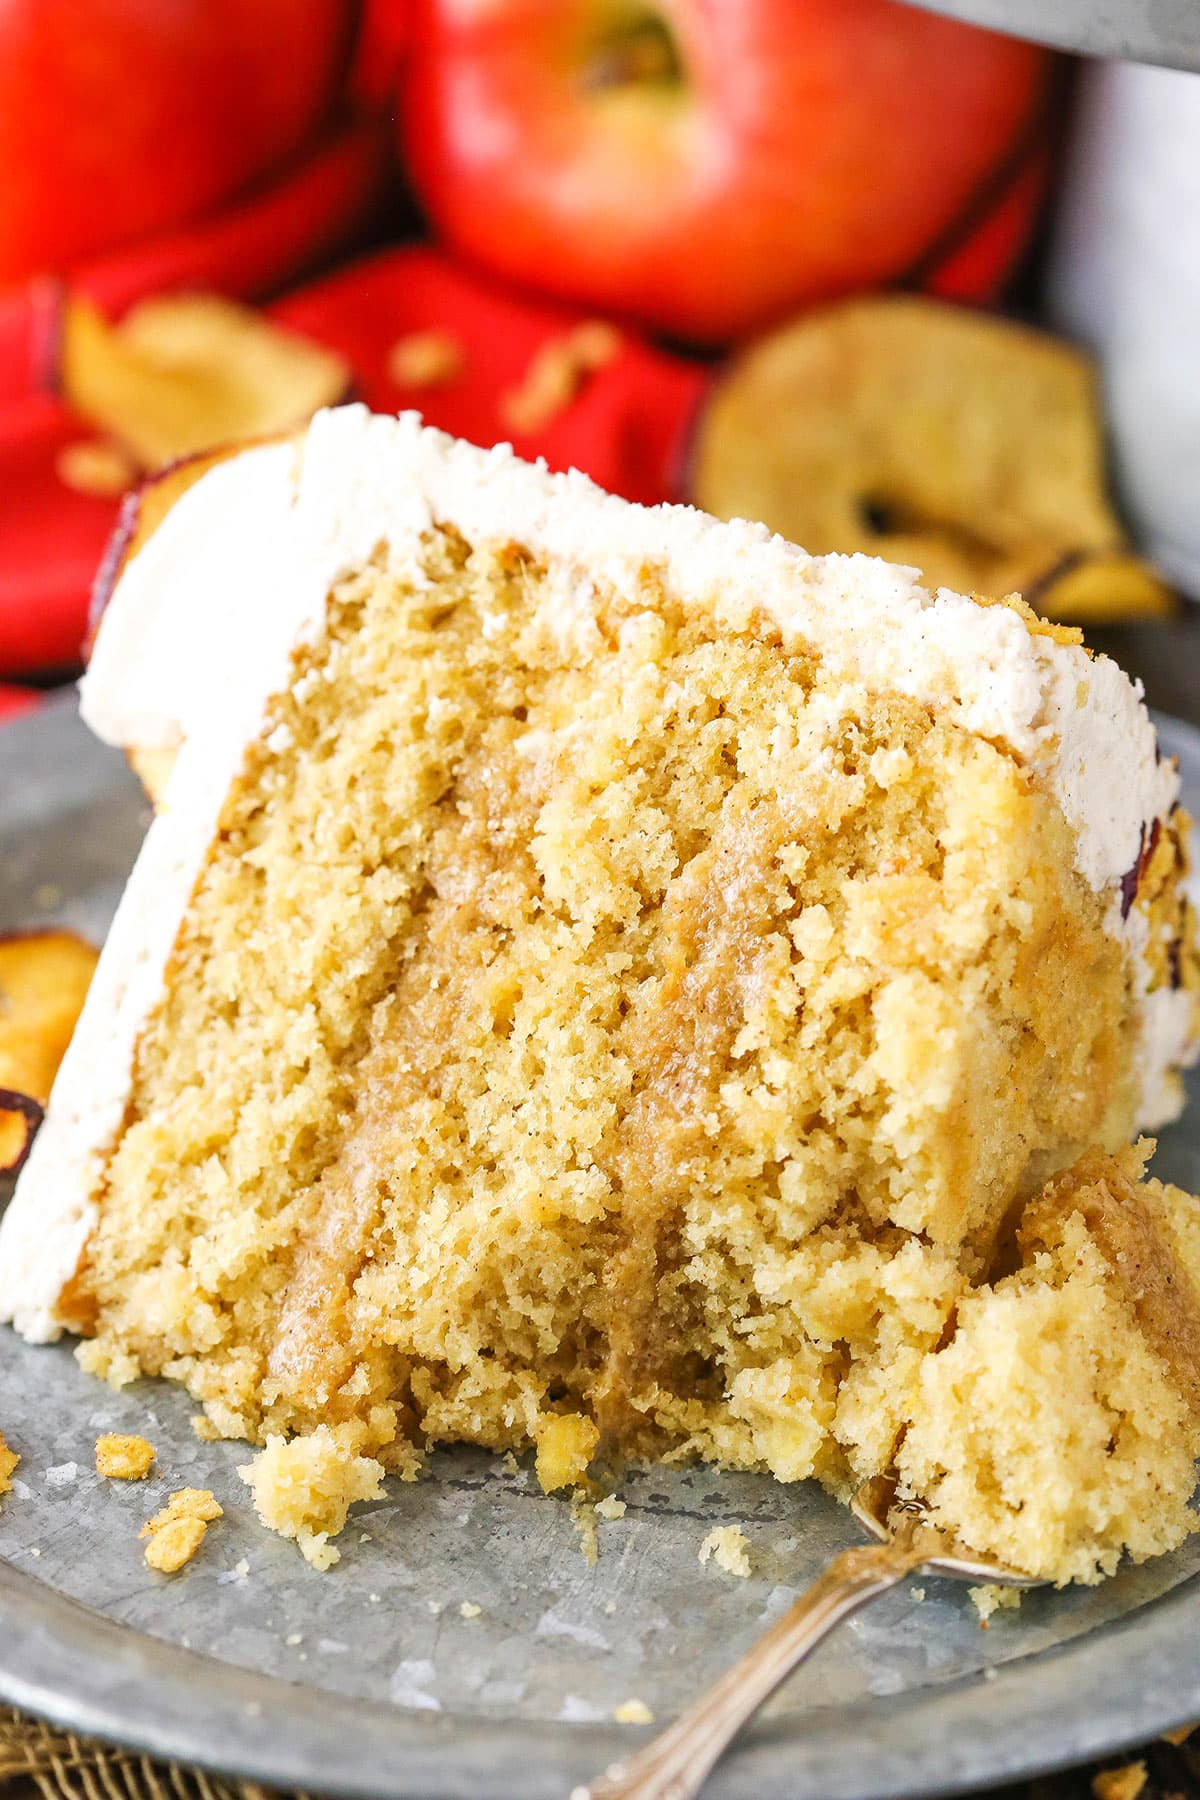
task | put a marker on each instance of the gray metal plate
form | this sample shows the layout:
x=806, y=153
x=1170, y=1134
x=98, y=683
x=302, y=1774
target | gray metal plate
x=369, y=1681
x=1148, y=31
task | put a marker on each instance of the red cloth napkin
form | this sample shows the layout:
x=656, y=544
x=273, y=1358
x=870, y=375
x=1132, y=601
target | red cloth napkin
x=627, y=426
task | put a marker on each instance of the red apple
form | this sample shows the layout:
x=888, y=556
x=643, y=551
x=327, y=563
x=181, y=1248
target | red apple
x=121, y=118
x=707, y=165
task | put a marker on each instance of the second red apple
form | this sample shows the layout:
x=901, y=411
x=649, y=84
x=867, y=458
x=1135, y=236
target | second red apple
x=708, y=165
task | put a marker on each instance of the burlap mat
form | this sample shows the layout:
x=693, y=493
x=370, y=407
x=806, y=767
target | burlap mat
x=35, y=1759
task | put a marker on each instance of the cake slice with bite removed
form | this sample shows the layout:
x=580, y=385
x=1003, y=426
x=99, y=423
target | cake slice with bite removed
x=599, y=979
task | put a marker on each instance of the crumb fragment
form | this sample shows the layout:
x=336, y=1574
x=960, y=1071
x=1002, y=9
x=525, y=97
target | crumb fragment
x=204, y=1429
x=993, y=1598
x=122, y=1458
x=185, y=1503
x=583, y=1518
x=610, y=1508
x=8, y=1462
x=729, y=1549
x=469, y=1610
x=1179, y=1734
x=175, y=1543
x=304, y=1488
x=566, y=1443
x=101, y=470
x=177, y=1531
x=1125, y=1783
x=633, y=1712
x=426, y=359
x=557, y=373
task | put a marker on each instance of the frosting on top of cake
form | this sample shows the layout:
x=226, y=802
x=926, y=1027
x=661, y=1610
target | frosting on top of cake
x=205, y=618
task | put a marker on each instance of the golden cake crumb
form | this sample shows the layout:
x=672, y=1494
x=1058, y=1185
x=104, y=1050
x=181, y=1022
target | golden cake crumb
x=565, y=1446
x=1125, y=1783
x=1179, y=1734
x=610, y=1508
x=729, y=1549
x=123, y=1458
x=185, y=1503
x=469, y=1610
x=993, y=1597
x=177, y=1531
x=583, y=1518
x=174, y=1543
x=633, y=1712
x=8, y=1462
x=305, y=1487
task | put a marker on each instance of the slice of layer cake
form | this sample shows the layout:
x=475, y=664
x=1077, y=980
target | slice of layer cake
x=599, y=978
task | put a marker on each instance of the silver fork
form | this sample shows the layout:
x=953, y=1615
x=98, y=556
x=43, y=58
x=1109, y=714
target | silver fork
x=676, y=1764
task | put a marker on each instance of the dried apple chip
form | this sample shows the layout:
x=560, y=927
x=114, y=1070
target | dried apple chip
x=183, y=373
x=20, y=1117
x=965, y=445
x=44, y=979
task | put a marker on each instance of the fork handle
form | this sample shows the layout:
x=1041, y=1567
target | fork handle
x=675, y=1764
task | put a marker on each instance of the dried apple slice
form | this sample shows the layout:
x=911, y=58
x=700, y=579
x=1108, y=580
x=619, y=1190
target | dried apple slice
x=184, y=373
x=963, y=444
x=20, y=1117
x=44, y=977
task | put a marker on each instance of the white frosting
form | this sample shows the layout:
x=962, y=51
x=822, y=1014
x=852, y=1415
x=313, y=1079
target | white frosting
x=199, y=633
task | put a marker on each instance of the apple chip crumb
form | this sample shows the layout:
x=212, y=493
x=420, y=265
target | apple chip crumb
x=101, y=470
x=633, y=1712
x=123, y=1458
x=8, y=1462
x=1125, y=1783
x=425, y=359
x=557, y=373
x=729, y=1549
x=177, y=1532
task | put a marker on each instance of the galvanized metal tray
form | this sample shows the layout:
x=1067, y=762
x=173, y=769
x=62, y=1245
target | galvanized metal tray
x=369, y=1680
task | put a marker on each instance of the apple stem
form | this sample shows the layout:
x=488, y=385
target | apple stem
x=643, y=54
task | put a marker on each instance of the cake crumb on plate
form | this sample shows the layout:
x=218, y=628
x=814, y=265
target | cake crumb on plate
x=8, y=1462
x=304, y=1488
x=177, y=1531
x=633, y=1712
x=121, y=1458
x=727, y=1546
x=175, y=1543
